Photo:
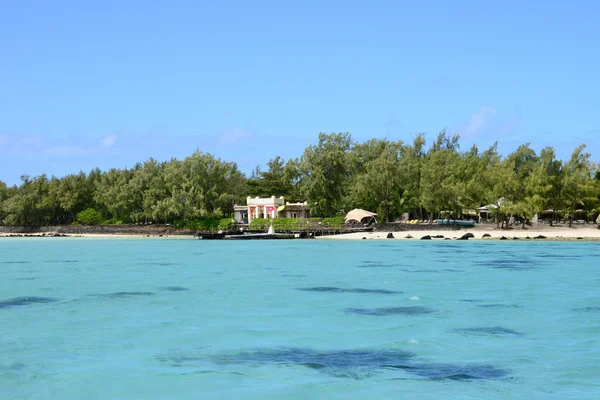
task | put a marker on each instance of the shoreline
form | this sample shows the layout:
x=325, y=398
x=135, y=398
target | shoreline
x=536, y=233
x=543, y=233
x=50, y=235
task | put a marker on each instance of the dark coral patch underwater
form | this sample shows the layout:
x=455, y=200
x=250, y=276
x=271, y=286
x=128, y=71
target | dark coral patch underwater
x=415, y=310
x=25, y=301
x=355, y=364
x=488, y=331
x=122, y=295
x=331, y=289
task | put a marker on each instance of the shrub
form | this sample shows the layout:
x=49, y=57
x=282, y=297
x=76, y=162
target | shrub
x=89, y=217
x=226, y=224
x=259, y=224
x=207, y=224
x=112, y=221
x=333, y=222
x=296, y=224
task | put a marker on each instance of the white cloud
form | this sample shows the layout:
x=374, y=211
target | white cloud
x=479, y=121
x=68, y=151
x=36, y=145
x=32, y=141
x=108, y=141
x=234, y=136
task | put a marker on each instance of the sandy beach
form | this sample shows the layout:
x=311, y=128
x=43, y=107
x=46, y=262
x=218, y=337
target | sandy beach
x=560, y=232
x=96, y=236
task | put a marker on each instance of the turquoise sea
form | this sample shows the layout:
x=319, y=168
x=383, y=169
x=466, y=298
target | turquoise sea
x=187, y=319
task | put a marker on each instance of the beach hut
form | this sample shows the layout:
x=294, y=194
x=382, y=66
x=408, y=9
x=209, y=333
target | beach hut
x=485, y=211
x=361, y=216
x=484, y=214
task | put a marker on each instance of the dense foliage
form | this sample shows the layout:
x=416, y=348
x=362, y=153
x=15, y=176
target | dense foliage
x=334, y=176
x=297, y=224
x=89, y=217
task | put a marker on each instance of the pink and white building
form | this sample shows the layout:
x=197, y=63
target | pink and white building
x=269, y=207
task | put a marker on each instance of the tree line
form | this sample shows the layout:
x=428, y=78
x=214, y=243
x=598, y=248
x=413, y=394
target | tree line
x=426, y=180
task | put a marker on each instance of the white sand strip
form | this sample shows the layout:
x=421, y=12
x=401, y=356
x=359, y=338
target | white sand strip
x=551, y=233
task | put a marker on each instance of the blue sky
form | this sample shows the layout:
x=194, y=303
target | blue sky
x=107, y=84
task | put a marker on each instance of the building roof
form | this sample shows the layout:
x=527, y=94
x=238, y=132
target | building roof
x=293, y=207
x=265, y=201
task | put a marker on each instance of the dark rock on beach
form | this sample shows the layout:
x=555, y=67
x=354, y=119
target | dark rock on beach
x=390, y=235
x=426, y=237
x=540, y=237
x=486, y=235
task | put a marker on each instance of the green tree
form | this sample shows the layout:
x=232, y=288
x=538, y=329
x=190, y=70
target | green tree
x=579, y=184
x=4, y=196
x=73, y=195
x=378, y=184
x=475, y=175
x=170, y=207
x=516, y=186
x=411, y=166
x=294, y=177
x=440, y=173
x=31, y=203
x=145, y=189
x=273, y=182
x=550, y=176
x=325, y=169
x=112, y=193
